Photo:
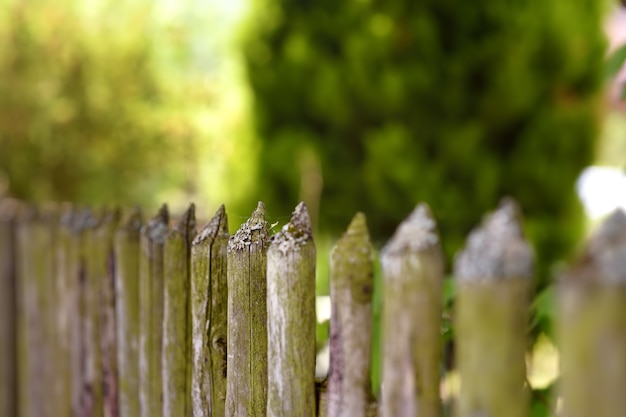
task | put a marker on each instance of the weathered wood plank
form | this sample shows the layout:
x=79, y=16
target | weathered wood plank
x=291, y=319
x=592, y=325
x=151, y=314
x=104, y=277
x=246, y=375
x=209, y=305
x=351, y=290
x=36, y=234
x=494, y=273
x=66, y=293
x=126, y=249
x=8, y=306
x=413, y=270
x=176, y=317
x=91, y=372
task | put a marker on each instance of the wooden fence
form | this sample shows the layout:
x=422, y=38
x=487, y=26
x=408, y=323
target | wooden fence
x=105, y=315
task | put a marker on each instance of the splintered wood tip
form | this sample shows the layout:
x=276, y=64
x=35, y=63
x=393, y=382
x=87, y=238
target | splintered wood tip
x=604, y=257
x=417, y=233
x=296, y=233
x=163, y=215
x=158, y=227
x=218, y=225
x=254, y=230
x=259, y=213
x=496, y=250
x=85, y=219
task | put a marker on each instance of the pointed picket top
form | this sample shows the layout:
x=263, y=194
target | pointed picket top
x=416, y=233
x=133, y=220
x=254, y=231
x=604, y=256
x=217, y=226
x=186, y=225
x=497, y=249
x=83, y=220
x=294, y=234
x=158, y=227
x=356, y=231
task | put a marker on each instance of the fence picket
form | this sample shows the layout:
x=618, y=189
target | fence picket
x=104, y=284
x=413, y=276
x=494, y=277
x=176, y=316
x=291, y=319
x=152, y=239
x=209, y=304
x=8, y=343
x=592, y=325
x=246, y=373
x=127, y=312
x=351, y=290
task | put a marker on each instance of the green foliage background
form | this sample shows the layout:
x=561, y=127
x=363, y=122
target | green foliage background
x=453, y=104
x=118, y=102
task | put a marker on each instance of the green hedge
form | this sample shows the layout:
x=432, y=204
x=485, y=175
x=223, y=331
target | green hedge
x=456, y=104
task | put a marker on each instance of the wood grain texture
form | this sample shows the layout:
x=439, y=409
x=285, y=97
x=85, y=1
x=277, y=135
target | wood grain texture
x=291, y=260
x=246, y=377
x=176, y=356
x=209, y=307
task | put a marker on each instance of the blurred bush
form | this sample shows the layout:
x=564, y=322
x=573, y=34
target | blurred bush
x=87, y=113
x=438, y=101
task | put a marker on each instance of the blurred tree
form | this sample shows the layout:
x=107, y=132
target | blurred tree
x=449, y=103
x=85, y=115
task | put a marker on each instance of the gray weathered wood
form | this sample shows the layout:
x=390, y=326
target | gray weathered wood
x=351, y=290
x=494, y=277
x=8, y=338
x=246, y=376
x=66, y=294
x=104, y=279
x=90, y=357
x=153, y=237
x=592, y=325
x=209, y=308
x=413, y=270
x=291, y=319
x=126, y=249
x=36, y=233
x=176, y=317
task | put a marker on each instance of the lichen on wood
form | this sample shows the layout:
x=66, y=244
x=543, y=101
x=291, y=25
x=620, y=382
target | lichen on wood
x=494, y=278
x=592, y=325
x=209, y=305
x=413, y=269
x=246, y=376
x=176, y=316
x=152, y=239
x=351, y=290
x=291, y=319
x=127, y=239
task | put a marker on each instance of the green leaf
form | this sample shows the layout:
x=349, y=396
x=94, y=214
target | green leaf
x=615, y=62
